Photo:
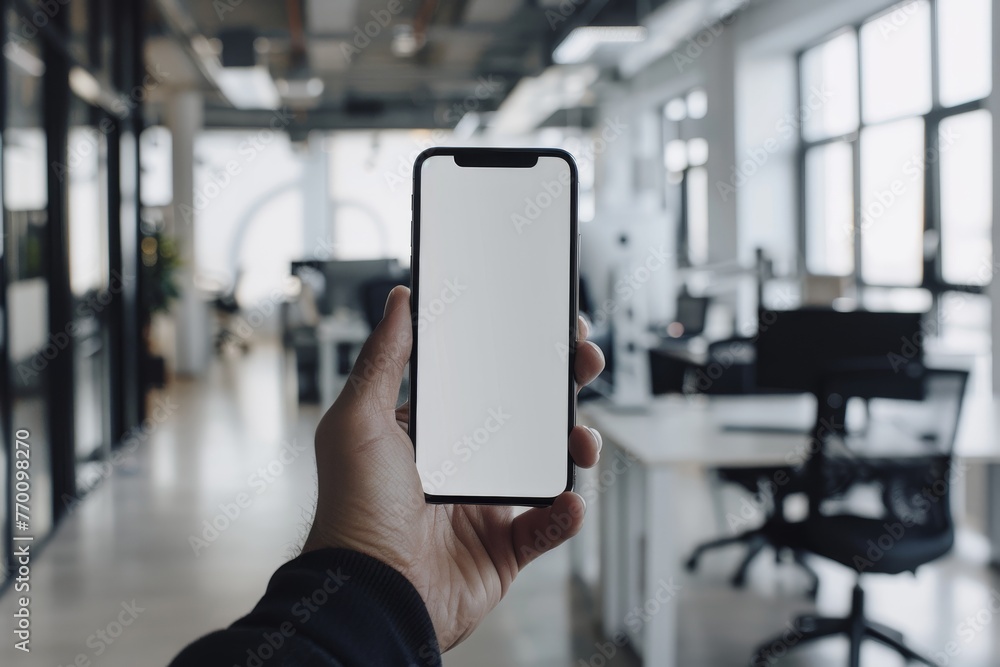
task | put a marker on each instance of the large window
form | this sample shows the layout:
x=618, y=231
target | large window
x=896, y=164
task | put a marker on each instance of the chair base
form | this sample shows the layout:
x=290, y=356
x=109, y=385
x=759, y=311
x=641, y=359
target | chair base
x=755, y=540
x=857, y=628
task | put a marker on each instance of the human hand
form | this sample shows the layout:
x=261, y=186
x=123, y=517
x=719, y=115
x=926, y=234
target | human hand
x=462, y=559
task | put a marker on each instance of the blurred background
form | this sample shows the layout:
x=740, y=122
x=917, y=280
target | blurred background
x=788, y=257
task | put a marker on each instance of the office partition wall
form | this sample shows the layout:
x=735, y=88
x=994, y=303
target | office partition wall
x=69, y=333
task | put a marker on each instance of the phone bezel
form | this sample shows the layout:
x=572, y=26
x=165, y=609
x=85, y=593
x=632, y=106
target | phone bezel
x=513, y=158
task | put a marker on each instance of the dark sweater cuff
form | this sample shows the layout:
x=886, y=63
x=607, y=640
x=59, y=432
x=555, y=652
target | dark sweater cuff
x=357, y=608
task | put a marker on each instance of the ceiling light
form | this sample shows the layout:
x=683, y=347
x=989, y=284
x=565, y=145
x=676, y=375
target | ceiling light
x=248, y=87
x=697, y=103
x=405, y=42
x=676, y=109
x=581, y=42
x=534, y=99
x=84, y=84
x=300, y=88
x=675, y=157
x=697, y=152
x=25, y=61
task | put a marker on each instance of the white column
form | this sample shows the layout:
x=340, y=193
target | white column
x=994, y=290
x=993, y=471
x=184, y=116
x=720, y=127
x=317, y=233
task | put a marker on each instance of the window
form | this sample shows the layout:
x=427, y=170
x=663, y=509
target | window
x=685, y=154
x=896, y=162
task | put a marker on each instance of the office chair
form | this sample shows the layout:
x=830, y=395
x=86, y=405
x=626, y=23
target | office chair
x=916, y=526
x=730, y=370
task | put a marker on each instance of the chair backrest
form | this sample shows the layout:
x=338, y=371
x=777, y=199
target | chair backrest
x=932, y=422
x=730, y=368
x=905, y=451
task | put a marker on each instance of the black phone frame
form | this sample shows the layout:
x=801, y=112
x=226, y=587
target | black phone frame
x=501, y=158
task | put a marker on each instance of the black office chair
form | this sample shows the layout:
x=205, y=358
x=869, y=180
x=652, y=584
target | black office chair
x=916, y=525
x=730, y=370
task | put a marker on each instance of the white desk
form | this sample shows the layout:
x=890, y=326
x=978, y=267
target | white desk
x=650, y=486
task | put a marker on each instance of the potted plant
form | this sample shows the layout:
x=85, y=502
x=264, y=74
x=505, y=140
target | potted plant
x=160, y=264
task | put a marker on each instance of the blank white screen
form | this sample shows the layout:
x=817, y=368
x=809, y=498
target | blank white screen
x=493, y=329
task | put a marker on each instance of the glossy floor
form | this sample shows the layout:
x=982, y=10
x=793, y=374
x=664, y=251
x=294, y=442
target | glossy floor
x=130, y=552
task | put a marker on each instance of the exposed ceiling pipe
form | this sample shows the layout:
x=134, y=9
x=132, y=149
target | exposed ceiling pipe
x=297, y=33
x=422, y=21
x=185, y=32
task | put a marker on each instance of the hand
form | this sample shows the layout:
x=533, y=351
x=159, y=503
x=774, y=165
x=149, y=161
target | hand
x=461, y=558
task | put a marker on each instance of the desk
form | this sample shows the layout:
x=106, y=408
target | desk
x=652, y=470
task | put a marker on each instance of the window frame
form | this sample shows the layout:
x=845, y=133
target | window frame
x=932, y=274
x=678, y=201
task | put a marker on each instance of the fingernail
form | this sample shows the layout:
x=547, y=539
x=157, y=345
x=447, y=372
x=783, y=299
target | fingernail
x=600, y=440
x=388, y=300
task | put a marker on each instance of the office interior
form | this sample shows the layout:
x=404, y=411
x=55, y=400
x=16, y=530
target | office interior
x=787, y=257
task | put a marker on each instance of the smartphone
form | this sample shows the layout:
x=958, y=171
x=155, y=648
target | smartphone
x=494, y=299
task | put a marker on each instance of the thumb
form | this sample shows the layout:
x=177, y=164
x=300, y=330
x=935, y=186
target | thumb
x=378, y=372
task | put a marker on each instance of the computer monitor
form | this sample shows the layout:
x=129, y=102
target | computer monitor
x=345, y=279
x=855, y=353
x=691, y=313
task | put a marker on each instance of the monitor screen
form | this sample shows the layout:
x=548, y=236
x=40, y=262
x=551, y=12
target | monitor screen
x=856, y=353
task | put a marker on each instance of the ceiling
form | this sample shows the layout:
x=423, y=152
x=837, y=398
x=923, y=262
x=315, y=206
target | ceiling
x=388, y=63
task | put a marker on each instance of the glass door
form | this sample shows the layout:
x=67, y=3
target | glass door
x=30, y=349
x=92, y=288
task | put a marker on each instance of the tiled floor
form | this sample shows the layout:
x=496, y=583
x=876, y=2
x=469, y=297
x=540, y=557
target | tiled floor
x=130, y=543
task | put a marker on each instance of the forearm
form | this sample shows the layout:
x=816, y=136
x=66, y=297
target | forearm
x=327, y=607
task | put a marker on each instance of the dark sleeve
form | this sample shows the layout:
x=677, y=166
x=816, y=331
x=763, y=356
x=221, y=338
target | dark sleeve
x=330, y=607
